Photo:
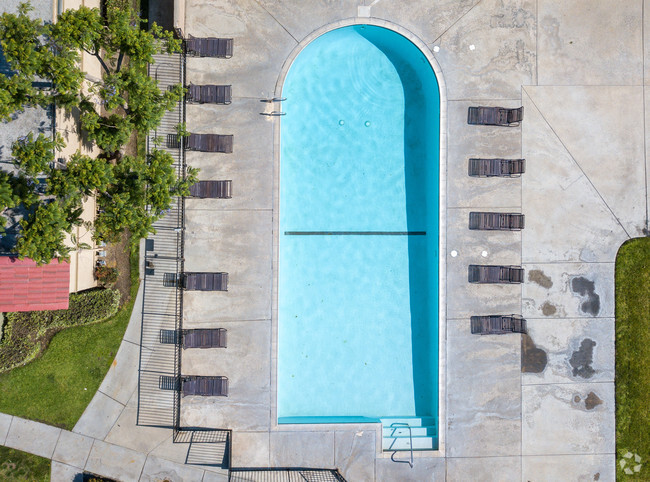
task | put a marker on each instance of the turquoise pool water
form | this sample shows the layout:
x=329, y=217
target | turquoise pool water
x=358, y=270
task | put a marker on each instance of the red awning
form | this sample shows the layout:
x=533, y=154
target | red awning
x=25, y=286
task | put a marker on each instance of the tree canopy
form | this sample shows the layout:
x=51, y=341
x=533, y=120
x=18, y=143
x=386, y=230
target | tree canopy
x=132, y=191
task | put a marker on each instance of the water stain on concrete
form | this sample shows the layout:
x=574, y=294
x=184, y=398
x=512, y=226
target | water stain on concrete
x=585, y=287
x=538, y=276
x=533, y=359
x=582, y=359
x=592, y=401
x=548, y=309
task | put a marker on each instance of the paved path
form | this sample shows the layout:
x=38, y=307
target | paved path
x=101, y=442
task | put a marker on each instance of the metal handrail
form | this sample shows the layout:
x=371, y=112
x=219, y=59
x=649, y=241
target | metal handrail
x=394, y=427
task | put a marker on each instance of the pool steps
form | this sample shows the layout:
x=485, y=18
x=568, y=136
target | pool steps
x=423, y=433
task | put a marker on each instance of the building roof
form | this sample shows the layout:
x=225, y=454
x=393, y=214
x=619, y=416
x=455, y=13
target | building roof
x=25, y=286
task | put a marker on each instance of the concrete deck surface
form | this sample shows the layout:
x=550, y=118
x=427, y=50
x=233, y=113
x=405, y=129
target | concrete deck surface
x=517, y=408
x=536, y=407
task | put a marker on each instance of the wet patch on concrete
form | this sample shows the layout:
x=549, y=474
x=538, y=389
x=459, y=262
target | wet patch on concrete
x=586, y=288
x=582, y=359
x=538, y=276
x=548, y=309
x=533, y=359
x=591, y=401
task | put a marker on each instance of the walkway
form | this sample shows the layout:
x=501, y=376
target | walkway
x=106, y=441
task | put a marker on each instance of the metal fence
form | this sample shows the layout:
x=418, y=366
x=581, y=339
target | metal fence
x=162, y=306
x=285, y=475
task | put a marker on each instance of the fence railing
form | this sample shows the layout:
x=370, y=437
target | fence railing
x=162, y=306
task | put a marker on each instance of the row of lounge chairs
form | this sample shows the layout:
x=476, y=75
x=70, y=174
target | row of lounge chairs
x=196, y=385
x=496, y=324
x=202, y=281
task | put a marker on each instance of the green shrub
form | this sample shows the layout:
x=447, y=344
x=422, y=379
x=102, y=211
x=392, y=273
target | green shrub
x=26, y=334
x=106, y=275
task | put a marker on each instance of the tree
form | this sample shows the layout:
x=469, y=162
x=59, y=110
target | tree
x=43, y=233
x=142, y=192
x=132, y=191
x=124, y=100
x=34, y=156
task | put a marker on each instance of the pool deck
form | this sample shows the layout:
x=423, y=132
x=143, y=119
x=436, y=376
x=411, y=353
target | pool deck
x=538, y=407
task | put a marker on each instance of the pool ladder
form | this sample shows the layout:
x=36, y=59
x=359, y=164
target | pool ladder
x=274, y=113
x=395, y=426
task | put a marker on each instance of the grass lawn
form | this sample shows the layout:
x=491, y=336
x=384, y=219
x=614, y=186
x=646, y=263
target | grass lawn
x=57, y=387
x=20, y=466
x=633, y=355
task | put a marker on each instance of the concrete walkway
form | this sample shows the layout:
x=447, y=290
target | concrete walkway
x=72, y=453
x=105, y=441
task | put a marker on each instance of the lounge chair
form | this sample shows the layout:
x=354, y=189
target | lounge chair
x=205, y=281
x=496, y=221
x=210, y=142
x=497, y=324
x=205, y=338
x=209, y=47
x=495, y=274
x=496, y=167
x=212, y=189
x=209, y=94
x=205, y=386
x=495, y=116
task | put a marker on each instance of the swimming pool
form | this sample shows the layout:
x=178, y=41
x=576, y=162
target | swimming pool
x=358, y=240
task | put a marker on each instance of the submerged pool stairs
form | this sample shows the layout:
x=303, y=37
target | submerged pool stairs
x=395, y=431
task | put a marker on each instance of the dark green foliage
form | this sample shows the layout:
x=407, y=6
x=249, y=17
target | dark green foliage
x=24, y=332
x=43, y=233
x=633, y=355
x=132, y=192
x=33, y=156
x=139, y=183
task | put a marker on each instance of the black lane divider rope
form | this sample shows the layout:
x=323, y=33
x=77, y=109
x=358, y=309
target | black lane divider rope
x=355, y=233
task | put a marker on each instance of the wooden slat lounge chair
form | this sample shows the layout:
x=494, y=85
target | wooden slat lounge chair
x=205, y=386
x=209, y=47
x=496, y=221
x=210, y=142
x=209, y=94
x=495, y=116
x=205, y=338
x=206, y=281
x=496, y=167
x=495, y=274
x=212, y=189
x=497, y=324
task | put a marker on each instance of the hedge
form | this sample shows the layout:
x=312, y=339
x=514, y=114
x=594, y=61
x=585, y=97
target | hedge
x=26, y=334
